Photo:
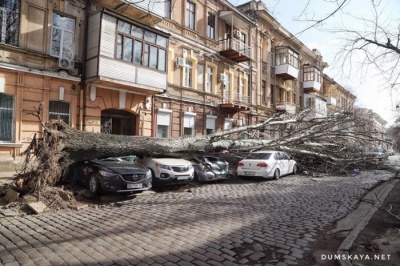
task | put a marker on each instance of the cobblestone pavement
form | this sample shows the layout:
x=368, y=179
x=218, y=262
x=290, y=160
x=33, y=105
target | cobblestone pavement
x=249, y=223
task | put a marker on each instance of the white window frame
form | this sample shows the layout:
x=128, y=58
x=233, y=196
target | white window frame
x=211, y=121
x=188, y=74
x=66, y=46
x=190, y=20
x=189, y=122
x=164, y=119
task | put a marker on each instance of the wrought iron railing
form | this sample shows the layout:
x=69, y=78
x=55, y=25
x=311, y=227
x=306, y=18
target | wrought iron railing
x=236, y=45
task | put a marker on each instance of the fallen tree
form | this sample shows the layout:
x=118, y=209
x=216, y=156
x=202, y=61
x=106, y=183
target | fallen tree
x=328, y=144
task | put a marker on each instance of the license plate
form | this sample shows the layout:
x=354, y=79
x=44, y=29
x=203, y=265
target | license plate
x=249, y=173
x=182, y=178
x=135, y=185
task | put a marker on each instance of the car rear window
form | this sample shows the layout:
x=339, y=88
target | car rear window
x=259, y=156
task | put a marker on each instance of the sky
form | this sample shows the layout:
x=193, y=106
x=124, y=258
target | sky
x=366, y=83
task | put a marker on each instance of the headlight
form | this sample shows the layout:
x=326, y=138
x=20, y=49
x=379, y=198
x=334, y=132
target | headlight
x=190, y=166
x=163, y=166
x=148, y=174
x=105, y=173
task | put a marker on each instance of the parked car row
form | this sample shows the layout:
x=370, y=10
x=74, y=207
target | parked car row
x=139, y=173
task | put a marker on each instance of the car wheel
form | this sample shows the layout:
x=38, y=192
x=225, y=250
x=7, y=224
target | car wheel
x=277, y=174
x=294, y=169
x=196, y=177
x=153, y=178
x=94, y=184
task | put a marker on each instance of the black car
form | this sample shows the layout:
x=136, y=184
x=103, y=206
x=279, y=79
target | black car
x=113, y=174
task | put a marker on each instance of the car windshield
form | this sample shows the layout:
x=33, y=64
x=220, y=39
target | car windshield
x=259, y=156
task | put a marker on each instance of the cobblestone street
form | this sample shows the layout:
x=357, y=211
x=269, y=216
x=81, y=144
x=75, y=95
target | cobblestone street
x=247, y=223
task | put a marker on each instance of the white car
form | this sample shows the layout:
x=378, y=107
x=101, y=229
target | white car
x=168, y=171
x=267, y=164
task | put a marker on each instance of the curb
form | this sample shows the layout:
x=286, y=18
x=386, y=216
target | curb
x=379, y=193
x=7, y=175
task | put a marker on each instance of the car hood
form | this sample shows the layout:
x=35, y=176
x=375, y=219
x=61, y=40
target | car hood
x=122, y=167
x=171, y=161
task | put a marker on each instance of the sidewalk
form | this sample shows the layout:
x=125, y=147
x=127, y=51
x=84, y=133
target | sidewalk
x=9, y=168
x=7, y=175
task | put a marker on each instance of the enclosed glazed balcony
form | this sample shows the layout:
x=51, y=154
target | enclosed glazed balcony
x=311, y=79
x=316, y=104
x=235, y=101
x=119, y=59
x=286, y=107
x=146, y=11
x=330, y=100
x=287, y=63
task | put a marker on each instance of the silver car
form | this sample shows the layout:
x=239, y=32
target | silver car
x=210, y=168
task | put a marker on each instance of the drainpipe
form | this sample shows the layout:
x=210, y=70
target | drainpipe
x=82, y=95
x=153, y=116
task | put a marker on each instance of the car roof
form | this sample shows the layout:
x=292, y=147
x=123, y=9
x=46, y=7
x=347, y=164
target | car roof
x=267, y=151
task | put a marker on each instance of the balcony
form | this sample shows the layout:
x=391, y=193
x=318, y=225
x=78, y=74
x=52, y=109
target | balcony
x=234, y=46
x=234, y=102
x=287, y=62
x=234, y=50
x=286, y=107
x=286, y=71
x=311, y=85
x=330, y=100
x=103, y=69
x=146, y=11
x=311, y=78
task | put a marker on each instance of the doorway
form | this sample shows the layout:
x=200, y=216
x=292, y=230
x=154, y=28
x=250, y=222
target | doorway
x=118, y=122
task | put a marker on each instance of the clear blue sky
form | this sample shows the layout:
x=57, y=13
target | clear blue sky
x=371, y=92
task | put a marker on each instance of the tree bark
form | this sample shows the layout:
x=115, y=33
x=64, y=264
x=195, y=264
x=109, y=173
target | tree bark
x=330, y=144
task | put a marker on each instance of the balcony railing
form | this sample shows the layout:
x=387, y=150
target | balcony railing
x=311, y=85
x=235, y=98
x=286, y=107
x=235, y=50
x=330, y=100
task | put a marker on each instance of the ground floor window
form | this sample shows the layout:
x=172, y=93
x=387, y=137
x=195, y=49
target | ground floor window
x=163, y=123
x=6, y=117
x=59, y=110
x=228, y=124
x=189, y=124
x=210, y=124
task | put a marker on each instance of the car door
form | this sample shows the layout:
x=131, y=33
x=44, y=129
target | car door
x=284, y=163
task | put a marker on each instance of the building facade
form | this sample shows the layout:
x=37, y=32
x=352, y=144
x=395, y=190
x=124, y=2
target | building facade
x=160, y=69
x=41, y=54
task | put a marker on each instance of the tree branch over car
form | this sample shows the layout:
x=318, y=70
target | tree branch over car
x=327, y=144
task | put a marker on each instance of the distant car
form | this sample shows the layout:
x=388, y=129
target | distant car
x=113, y=174
x=210, y=168
x=377, y=153
x=168, y=171
x=266, y=164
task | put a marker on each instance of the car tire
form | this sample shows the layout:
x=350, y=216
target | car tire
x=94, y=184
x=196, y=177
x=277, y=174
x=153, y=178
x=294, y=169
